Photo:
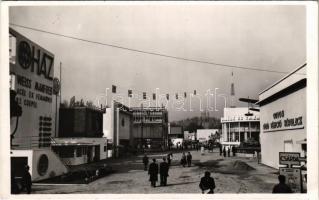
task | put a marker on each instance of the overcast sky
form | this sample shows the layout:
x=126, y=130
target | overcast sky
x=264, y=37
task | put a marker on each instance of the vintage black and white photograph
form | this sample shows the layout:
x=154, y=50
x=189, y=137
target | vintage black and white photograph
x=158, y=99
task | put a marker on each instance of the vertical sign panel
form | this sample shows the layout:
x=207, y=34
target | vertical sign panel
x=33, y=71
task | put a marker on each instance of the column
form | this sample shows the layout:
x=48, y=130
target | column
x=239, y=130
x=229, y=131
x=249, y=130
x=117, y=131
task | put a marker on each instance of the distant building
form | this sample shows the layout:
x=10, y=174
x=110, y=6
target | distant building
x=283, y=117
x=189, y=136
x=237, y=127
x=80, y=139
x=150, y=127
x=175, y=135
x=135, y=128
x=118, y=128
x=175, y=132
x=204, y=135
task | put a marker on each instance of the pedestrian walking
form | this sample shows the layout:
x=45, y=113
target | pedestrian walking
x=207, y=183
x=145, y=162
x=189, y=159
x=164, y=172
x=282, y=187
x=202, y=150
x=153, y=172
x=224, y=151
x=183, y=160
x=197, y=147
x=26, y=180
x=220, y=150
x=169, y=158
x=228, y=151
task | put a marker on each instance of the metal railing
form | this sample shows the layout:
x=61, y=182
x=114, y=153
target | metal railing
x=31, y=142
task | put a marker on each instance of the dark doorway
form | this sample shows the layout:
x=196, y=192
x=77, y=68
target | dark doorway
x=97, y=153
x=89, y=154
x=17, y=165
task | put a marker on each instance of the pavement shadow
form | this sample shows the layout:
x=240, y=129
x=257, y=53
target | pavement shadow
x=182, y=183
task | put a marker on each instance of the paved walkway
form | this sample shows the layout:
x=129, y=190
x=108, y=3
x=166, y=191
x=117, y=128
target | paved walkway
x=130, y=177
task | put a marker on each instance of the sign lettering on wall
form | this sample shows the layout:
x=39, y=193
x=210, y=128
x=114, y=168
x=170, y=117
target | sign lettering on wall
x=240, y=118
x=280, y=122
x=33, y=71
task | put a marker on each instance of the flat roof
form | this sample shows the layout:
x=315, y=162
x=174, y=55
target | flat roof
x=282, y=79
x=71, y=144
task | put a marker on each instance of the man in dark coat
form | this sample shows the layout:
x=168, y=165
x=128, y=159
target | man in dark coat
x=26, y=180
x=153, y=172
x=282, y=187
x=169, y=158
x=228, y=151
x=207, y=183
x=164, y=172
x=220, y=150
x=183, y=160
x=189, y=159
x=145, y=162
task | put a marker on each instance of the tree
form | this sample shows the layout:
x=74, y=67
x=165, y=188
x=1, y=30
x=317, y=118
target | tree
x=64, y=104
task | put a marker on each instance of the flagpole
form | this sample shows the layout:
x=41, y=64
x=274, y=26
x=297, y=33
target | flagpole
x=60, y=82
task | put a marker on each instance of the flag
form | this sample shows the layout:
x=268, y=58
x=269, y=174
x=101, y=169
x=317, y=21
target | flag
x=144, y=95
x=129, y=93
x=154, y=96
x=72, y=101
x=113, y=89
x=232, y=89
x=167, y=96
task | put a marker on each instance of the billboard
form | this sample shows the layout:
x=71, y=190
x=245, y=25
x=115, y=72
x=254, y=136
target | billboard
x=33, y=70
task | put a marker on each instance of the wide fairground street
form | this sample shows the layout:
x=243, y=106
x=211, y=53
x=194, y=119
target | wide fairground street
x=231, y=174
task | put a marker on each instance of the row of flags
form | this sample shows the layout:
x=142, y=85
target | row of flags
x=130, y=94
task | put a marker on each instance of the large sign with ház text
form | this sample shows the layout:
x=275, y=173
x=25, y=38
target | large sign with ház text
x=33, y=71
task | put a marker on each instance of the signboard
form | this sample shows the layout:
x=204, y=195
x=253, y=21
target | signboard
x=293, y=178
x=289, y=158
x=240, y=119
x=281, y=122
x=33, y=71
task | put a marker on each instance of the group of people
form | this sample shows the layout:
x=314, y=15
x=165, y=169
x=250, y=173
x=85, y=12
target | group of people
x=207, y=183
x=186, y=159
x=224, y=151
x=154, y=170
x=184, y=146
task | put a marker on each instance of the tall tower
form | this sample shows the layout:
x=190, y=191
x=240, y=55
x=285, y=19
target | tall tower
x=232, y=91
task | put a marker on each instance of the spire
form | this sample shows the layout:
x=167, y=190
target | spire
x=232, y=91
